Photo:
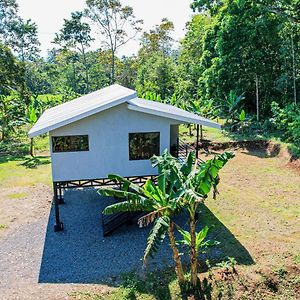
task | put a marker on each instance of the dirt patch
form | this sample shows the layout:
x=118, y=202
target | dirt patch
x=253, y=283
x=262, y=148
x=294, y=165
x=270, y=148
x=21, y=205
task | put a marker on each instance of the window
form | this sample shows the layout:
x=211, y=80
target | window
x=70, y=143
x=143, y=145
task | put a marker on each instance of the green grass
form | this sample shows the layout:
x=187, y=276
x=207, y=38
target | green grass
x=297, y=259
x=2, y=226
x=14, y=172
x=17, y=195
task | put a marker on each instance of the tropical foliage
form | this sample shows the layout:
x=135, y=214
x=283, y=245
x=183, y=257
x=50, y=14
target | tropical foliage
x=236, y=58
x=180, y=186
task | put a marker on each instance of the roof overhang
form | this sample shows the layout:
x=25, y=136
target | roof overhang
x=191, y=119
x=61, y=115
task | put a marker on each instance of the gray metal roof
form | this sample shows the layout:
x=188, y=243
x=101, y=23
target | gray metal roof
x=106, y=98
x=169, y=111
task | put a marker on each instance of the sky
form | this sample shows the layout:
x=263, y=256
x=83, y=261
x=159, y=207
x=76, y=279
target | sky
x=50, y=15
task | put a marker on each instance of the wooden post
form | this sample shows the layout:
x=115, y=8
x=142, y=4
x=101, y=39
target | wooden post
x=197, y=145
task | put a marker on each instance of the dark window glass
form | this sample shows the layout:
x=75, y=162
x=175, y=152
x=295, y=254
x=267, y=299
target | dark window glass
x=70, y=143
x=143, y=145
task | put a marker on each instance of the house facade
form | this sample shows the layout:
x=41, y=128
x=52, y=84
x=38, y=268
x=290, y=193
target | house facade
x=117, y=140
x=110, y=131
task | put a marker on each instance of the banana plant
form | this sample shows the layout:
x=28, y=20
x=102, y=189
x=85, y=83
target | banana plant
x=32, y=114
x=195, y=180
x=159, y=202
x=201, y=243
x=180, y=186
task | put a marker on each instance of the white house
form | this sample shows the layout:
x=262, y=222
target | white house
x=109, y=131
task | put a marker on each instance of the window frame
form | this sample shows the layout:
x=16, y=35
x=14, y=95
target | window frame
x=148, y=132
x=68, y=136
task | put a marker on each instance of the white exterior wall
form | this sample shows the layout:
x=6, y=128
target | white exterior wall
x=108, y=133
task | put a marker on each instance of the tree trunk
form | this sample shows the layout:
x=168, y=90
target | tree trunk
x=112, y=75
x=74, y=77
x=31, y=147
x=86, y=70
x=294, y=72
x=190, y=130
x=176, y=257
x=257, y=98
x=194, y=260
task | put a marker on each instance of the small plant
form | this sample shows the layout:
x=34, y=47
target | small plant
x=297, y=258
x=201, y=243
x=235, y=116
x=227, y=267
x=281, y=272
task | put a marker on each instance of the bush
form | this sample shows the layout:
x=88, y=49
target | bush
x=287, y=120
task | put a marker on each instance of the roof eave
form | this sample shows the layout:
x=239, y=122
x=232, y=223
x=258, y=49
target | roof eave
x=33, y=133
x=184, y=120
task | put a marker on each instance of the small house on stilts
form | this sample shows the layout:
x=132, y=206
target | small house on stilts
x=109, y=131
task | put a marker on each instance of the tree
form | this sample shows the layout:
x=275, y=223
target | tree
x=190, y=67
x=75, y=35
x=158, y=39
x=11, y=83
x=24, y=39
x=156, y=74
x=8, y=15
x=32, y=115
x=160, y=204
x=128, y=71
x=156, y=71
x=11, y=72
x=117, y=25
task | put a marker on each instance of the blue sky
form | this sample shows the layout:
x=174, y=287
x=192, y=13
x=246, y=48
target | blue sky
x=49, y=17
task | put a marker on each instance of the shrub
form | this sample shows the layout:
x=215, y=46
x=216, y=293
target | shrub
x=287, y=120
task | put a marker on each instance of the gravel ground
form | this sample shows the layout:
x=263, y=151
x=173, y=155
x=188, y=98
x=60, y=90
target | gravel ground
x=80, y=254
x=38, y=263
x=35, y=261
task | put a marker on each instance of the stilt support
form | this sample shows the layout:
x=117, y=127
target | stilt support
x=60, y=194
x=59, y=226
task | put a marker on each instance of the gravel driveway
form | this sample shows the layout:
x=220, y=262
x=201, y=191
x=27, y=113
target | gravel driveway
x=35, y=261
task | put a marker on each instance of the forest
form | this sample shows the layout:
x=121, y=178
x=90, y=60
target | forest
x=239, y=61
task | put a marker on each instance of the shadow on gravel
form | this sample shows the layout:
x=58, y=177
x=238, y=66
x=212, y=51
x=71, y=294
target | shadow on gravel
x=80, y=254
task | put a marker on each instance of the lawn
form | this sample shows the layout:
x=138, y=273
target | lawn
x=255, y=217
